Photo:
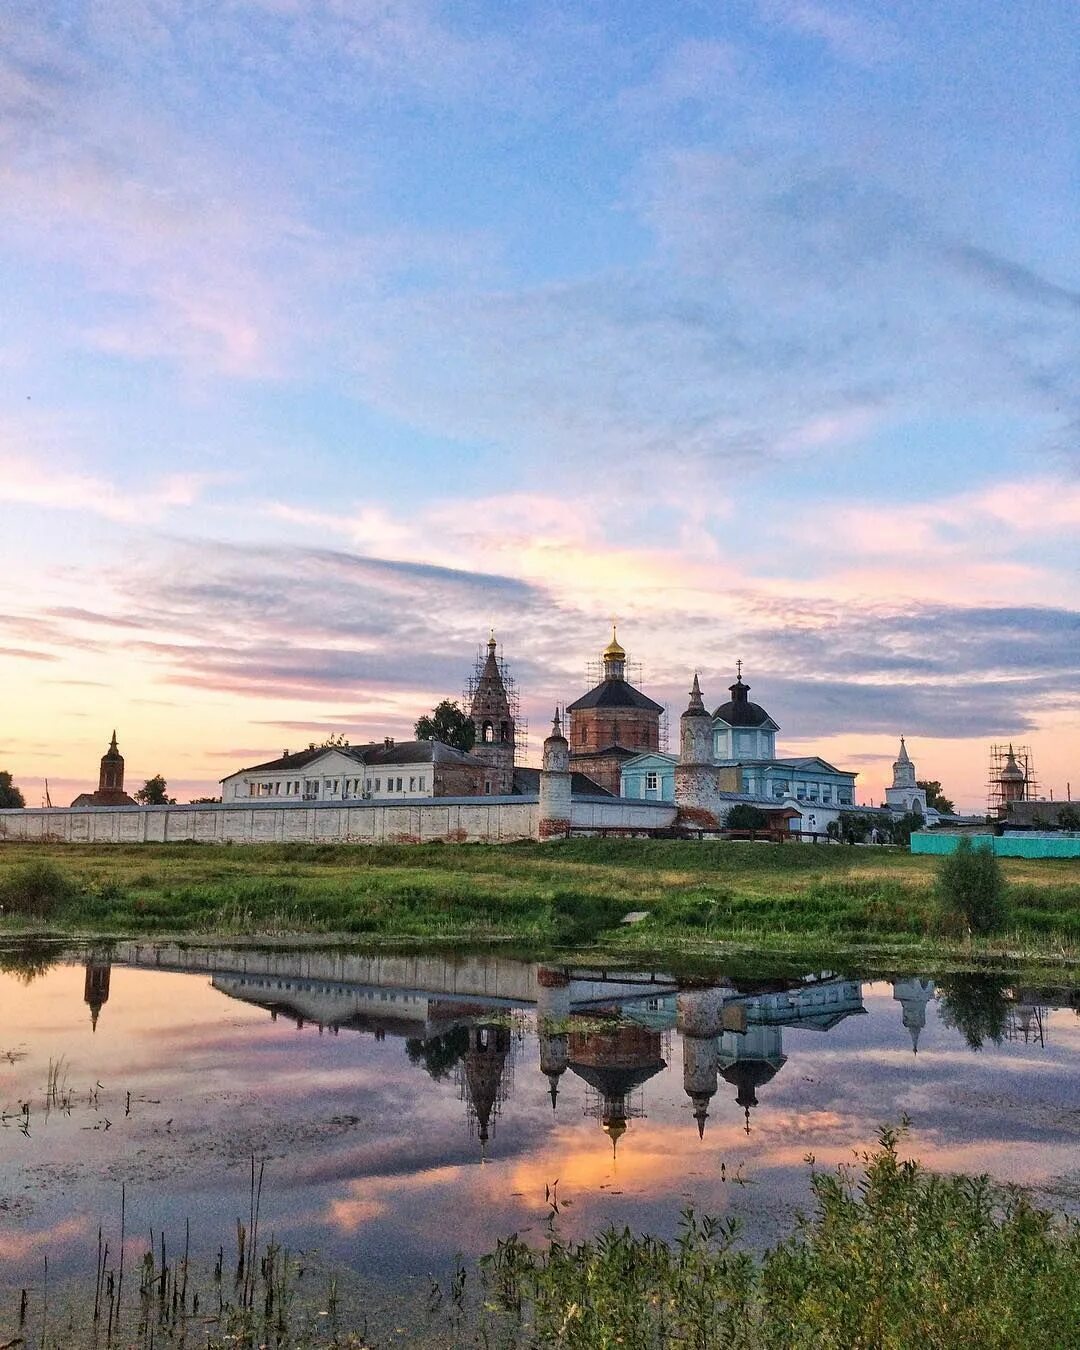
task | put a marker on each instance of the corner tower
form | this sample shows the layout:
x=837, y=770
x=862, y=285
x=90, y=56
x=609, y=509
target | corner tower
x=492, y=716
x=696, y=779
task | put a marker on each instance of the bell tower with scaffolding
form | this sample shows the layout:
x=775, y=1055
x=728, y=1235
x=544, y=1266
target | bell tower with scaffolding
x=495, y=710
x=1011, y=778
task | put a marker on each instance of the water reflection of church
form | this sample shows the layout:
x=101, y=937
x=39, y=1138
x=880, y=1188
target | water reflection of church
x=608, y=1031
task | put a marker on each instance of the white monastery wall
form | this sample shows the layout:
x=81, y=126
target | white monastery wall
x=620, y=813
x=457, y=820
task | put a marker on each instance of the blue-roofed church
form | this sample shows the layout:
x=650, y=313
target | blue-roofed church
x=729, y=756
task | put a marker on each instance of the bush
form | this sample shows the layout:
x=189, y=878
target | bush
x=36, y=890
x=743, y=816
x=971, y=889
x=893, y=1256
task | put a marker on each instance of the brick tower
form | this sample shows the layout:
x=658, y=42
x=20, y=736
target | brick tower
x=612, y=723
x=110, y=789
x=493, y=720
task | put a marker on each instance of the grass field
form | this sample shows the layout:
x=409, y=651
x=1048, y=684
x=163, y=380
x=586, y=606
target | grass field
x=568, y=893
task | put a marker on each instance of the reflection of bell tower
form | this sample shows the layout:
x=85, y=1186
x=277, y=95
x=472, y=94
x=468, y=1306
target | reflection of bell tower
x=615, y=1063
x=749, y=1060
x=552, y=1014
x=483, y=1077
x=96, y=988
x=698, y=1019
x=913, y=995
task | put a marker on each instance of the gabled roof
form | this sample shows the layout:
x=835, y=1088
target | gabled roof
x=375, y=753
x=414, y=752
x=652, y=755
x=812, y=762
x=527, y=782
x=608, y=752
x=614, y=694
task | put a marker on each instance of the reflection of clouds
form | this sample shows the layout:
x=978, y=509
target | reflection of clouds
x=22, y=1246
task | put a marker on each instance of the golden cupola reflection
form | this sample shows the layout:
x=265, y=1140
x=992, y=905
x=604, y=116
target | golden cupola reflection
x=615, y=1063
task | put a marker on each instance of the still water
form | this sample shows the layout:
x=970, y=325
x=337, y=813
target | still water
x=414, y=1109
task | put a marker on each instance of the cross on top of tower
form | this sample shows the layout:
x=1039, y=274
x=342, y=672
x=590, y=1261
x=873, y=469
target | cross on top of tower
x=738, y=669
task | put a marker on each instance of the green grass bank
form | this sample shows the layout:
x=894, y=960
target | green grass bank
x=572, y=893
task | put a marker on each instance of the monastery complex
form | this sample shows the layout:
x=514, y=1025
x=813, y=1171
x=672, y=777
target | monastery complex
x=605, y=769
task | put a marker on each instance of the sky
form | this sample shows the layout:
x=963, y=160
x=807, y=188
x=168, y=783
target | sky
x=335, y=332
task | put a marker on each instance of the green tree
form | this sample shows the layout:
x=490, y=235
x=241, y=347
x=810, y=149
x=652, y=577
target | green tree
x=1068, y=817
x=438, y=1054
x=449, y=723
x=935, y=798
x=857, y=828
x=743, y=816
x=974, y=1005
x=971, y=889
x=901, y=830
x=10, y=796
x=155, y=792
x=204, y=801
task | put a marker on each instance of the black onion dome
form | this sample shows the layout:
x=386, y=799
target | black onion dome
x=739, y=711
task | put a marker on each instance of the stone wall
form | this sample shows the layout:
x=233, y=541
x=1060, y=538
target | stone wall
x=620, y=813
x=454, y=820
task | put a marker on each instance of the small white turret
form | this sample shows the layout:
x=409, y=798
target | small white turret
x=695, y=730
x=555, y=784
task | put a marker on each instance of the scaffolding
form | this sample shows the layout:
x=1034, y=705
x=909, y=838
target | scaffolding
x=996, y=799
x=635, y=675
x=513, y=699
x=1026, y=1022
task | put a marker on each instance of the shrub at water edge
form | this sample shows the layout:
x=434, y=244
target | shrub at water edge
x=971, y=889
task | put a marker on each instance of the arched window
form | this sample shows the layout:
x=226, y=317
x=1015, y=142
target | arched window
x=504, y=731
x=487, y=734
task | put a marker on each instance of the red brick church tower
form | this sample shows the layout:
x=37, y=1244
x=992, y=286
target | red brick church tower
x=110, y=789
x=611, y=723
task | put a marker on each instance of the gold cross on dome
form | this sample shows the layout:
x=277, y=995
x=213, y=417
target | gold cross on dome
x=738, y=669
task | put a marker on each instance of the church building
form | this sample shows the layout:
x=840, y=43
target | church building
x=110, y=788
x=729, y=756
x=612, y=723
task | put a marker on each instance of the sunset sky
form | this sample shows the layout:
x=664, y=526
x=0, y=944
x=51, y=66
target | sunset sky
x=334, y=331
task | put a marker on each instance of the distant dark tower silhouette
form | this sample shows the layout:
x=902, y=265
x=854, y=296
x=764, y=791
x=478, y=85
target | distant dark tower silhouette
x=96, y=988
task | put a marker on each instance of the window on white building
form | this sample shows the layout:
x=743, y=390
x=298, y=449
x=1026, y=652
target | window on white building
x=422, y=783
x=412, y=784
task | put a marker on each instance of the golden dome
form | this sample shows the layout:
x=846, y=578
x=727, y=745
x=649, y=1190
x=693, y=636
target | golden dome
x=613, y=649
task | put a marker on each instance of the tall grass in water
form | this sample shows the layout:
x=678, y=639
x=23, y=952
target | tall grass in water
x=892, y=1257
